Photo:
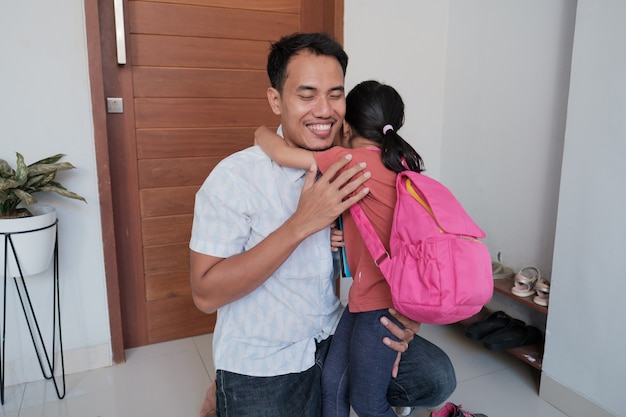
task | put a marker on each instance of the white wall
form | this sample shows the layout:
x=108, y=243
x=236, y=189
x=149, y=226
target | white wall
x=46, y=109
x=506, y=85
x=383, y=45
x=500, y=147
x=586, y=341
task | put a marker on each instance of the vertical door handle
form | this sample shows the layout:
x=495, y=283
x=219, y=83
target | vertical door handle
x=120, y=36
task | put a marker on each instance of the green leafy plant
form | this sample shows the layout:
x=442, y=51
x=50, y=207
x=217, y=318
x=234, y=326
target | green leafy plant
x=18, y=185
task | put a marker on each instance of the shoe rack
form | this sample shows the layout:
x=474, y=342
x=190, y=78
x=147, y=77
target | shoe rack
x=530, y=354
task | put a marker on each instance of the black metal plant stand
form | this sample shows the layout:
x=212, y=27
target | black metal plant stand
x=47, y=361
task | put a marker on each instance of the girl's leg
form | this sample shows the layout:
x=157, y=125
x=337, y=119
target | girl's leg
x=370, y=366
x=335, y=371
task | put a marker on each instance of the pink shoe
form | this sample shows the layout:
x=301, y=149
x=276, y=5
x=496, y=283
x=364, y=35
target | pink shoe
x=452, y=410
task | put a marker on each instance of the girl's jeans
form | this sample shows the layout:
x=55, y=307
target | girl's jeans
x=357, y=370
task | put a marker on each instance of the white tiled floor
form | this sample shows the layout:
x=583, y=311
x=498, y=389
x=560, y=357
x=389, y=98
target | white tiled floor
x=170, y=379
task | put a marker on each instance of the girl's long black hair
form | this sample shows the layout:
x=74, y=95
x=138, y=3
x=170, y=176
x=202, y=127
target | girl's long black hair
x=370, y=106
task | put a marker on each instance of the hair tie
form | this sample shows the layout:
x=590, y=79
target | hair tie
x=387, y=128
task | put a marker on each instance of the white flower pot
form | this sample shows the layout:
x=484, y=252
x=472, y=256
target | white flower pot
x=33, y=241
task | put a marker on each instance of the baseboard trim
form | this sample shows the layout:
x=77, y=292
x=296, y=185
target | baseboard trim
x=569, y=402
x=26, y=370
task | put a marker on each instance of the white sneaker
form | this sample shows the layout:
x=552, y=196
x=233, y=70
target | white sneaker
x=403, y=411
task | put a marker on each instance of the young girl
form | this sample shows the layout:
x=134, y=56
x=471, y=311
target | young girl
x=358, y=368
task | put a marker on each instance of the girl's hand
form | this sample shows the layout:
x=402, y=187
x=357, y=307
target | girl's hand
x=336, y=238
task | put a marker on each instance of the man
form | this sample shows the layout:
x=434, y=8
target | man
x=260, y=254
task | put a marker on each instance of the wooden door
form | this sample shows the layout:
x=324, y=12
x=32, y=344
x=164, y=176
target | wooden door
x=193, y=91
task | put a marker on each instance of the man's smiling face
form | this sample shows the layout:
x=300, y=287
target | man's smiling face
x=313, y=103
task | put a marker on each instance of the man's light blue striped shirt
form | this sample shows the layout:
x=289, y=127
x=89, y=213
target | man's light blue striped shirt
x=273, y=330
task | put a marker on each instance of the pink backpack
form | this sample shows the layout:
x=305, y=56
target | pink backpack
x=438, y=270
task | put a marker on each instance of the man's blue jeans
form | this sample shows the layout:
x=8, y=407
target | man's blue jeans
x=290, y=395
x=426, y=378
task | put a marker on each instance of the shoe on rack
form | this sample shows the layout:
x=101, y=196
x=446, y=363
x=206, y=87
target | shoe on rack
x=453, y=410
x=542, y=287
x=499, y=271
x=514, y=336
x=525, y=281
x=496, y=321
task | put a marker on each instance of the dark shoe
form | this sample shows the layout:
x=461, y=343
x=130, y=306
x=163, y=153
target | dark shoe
x=513, y=336
x=496, y=321
x=453, y=410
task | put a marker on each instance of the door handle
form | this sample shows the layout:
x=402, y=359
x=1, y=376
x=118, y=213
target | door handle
x=120, y=35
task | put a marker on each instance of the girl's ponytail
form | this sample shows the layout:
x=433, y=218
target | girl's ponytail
x=376, y=111
x=398, y=155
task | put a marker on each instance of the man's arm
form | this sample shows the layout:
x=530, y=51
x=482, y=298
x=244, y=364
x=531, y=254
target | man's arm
x=216, y=282
x=405, y=333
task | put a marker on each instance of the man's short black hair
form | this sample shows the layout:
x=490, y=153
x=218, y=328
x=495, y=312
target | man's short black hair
x=282, y=51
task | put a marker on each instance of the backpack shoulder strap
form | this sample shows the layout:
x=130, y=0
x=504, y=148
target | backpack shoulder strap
x=369, y=235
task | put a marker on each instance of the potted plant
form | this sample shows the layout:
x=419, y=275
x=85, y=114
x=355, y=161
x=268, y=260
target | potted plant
x=29, y=230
